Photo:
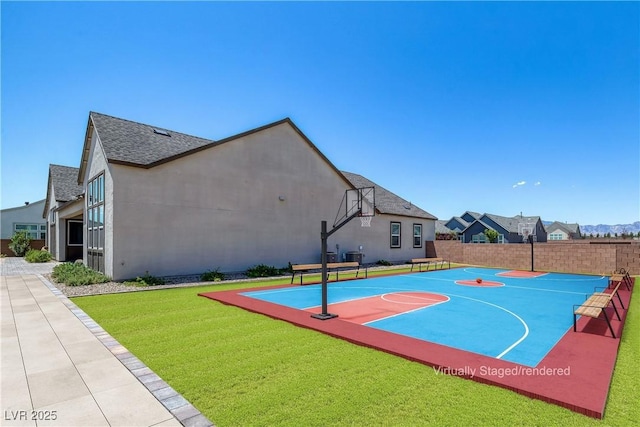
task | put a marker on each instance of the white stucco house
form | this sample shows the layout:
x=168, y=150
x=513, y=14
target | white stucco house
x=167, y=203
x=64, y=212
x=25, y=218
x=563, y=231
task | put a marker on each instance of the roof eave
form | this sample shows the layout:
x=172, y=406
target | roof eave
x=86, y=149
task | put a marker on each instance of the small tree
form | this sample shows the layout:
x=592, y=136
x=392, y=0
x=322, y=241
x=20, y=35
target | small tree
x=492, y=235
x=20, y=243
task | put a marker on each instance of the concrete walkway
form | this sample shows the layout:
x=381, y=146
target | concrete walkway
x=60, y=368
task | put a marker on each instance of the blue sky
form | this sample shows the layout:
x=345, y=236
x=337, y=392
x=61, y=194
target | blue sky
x=498, y=107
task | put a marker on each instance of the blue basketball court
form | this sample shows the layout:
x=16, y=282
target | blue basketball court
x=480, y=310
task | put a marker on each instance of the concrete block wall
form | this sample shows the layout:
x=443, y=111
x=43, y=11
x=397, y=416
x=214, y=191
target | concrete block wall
x=450, y=250
x=628, y=257
x=570, y=257
x=34, y=244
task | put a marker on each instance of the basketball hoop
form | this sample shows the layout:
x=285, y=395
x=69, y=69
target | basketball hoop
x=526, y=229
x=365, y=221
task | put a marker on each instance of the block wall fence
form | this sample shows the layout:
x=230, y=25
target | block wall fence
x=34, y=244
x=567, y=257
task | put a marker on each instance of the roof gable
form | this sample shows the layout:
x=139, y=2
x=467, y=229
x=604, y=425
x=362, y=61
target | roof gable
x=567, y=228
x=63, y=181
x=470, y=216
x=453, y=223
x=119, y=140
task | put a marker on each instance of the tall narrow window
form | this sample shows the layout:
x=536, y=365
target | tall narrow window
x=395, y=235
x=95, y=223
x=417, y=235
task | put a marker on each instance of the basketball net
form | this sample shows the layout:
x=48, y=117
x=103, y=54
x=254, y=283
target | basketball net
x=365, y=221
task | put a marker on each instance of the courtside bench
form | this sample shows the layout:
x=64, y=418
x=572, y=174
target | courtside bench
x=331, y=267
x=596, y=304
x=429, y=261
x=623, y=277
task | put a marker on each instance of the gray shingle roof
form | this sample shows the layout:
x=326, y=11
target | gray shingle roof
x=64, y=180
x=442, y=228
x=567, y=228
x=135, y=143
x=462, y=222
x=511, y=223
x=386, y=201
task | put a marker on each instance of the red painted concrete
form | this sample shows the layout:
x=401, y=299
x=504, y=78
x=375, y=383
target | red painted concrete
x=364, y=310
x=576, y=374
x=483, y=284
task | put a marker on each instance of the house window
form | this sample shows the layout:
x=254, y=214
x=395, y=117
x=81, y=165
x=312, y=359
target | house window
x=556, y=236
x=395, y=234
x=479, y=238
x=95, y=223
x=34, y=231
x=417, y=235
x=74, y=233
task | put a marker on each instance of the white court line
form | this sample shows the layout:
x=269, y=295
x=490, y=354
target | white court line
x=547, y=290
x=408, y=296
x=407, y=312
x=526, y=327
x=508, y=349
x=589, y=279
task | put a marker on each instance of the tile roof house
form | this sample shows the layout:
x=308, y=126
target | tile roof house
x=563, y=231
x=168, y=203
x=63, y=211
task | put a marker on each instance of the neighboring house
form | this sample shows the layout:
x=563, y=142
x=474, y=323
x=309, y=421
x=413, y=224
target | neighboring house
x=23, y=218
x=168, y=203
x=443, y=232
x=470, y=216
x=507, y=228
x=562, y=231
x=64, y=210
x=456, y=225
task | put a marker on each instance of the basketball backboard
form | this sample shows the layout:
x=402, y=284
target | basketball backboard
x=526, y=229
x=359, y=202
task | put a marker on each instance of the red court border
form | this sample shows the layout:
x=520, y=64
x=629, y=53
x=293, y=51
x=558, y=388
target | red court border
x=586, y=358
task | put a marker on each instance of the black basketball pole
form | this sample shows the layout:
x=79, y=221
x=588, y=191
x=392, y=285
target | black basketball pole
x=324, y=236
x=531, y=242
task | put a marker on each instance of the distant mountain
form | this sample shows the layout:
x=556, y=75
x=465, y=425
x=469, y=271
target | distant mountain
x=603, y=229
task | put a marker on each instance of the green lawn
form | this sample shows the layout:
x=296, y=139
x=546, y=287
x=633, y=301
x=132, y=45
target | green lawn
x=242, y=369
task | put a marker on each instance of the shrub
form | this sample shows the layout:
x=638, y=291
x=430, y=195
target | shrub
x=262, y=270
x=75, y=274
x=384, y=262
x=146, y=280
x=492, y=235
x=212, y=276
x=19, y=243
x=34, y=255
